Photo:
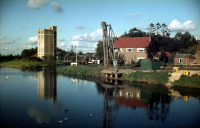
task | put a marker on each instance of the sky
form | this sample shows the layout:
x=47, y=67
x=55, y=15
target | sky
x=79, y=21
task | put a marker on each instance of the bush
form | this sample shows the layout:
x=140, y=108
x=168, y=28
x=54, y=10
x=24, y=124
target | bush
x=150, y=77
x=49, y=60
x=188, y=81
x=80, y=70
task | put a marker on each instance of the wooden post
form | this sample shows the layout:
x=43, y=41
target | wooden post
x=111, y=76
x=115, y=76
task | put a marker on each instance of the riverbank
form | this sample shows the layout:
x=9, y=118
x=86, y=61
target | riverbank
x=25, y=65
x=161, y=78
x=22, y=65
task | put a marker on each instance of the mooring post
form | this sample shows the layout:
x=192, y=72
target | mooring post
x=106, y=75
x=115, y=76
x=111, y=76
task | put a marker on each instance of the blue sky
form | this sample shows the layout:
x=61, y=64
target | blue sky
x=79, y=21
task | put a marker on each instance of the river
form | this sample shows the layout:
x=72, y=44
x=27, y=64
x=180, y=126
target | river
x=42, y=98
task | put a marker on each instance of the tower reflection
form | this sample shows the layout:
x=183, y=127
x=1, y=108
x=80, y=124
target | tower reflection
x=47, y=81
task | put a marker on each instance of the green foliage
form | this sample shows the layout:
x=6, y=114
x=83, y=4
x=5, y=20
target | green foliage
x=80, y=52
x=99, y=49
x=188, y=81
x=80, y=70
x=19, y=64
x=49, y=60
x=150, y=77
x=28, y=52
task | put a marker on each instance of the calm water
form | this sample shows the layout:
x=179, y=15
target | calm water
x=40, y=98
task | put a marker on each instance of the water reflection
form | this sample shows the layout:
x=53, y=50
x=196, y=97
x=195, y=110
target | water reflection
x=156, y=104
x=47, y=89
x=39, y=114
x=47, y=81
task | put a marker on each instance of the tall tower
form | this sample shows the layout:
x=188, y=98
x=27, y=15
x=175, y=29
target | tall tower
x=47, y=41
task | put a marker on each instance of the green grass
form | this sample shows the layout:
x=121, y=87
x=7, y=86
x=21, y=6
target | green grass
x=150, y=77
x=188, y=81
x=19, y=64
x=80, y=70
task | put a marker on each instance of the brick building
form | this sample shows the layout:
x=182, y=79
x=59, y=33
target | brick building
x=133, y=48
x=196, y=57
x=183, y=59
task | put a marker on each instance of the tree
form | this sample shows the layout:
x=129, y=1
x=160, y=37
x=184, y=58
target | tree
x=165, y=30
x=99, y=49
x=80, y=52
x=158, y=26
x=152, y=29
x=28, y=52
x=49, y=60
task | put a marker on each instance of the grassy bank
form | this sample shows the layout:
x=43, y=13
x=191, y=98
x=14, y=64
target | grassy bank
x=23, y=65
x=26, y=65
x=188, y=81
x=149, y=77
x=80, y=70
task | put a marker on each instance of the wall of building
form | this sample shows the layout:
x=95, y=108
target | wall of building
x=196, y=61
x=47, y=41
x=185, y=60
x=134, y=54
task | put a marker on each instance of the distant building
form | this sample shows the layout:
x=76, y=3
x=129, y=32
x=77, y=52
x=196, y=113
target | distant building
x=182, y=59
x=196, y=57
x=47, y=41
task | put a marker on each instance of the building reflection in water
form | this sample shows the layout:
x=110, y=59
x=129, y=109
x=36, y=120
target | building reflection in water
x=47, y=81
x=156, y=104
x=130, y=97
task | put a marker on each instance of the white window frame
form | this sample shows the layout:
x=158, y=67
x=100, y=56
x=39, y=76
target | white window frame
x=118, y=50
x=129, y=49
x=180, y=60
x=140, y=49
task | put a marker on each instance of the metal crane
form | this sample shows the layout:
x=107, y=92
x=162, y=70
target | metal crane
x=108, y=45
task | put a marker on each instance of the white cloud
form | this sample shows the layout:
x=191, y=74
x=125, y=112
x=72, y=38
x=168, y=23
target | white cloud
x=15, y=39
x=2, y=37
x=56, y=7
x=79, y=27
x=86, y=42
x=176, y=26
x=61, y=39
x=136, y=14
x=33, y=40
x=5, y=42
x=62, y=44
x=36, y=3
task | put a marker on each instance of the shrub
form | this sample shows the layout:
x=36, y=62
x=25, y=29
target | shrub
x=188, y=81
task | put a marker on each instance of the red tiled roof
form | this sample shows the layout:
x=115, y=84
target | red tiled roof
x=131, y=102
x=130, y=42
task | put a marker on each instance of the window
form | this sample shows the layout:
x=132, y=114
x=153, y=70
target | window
x=140, y=50
x=118, y=50
x=180, y=60
x=129, y=50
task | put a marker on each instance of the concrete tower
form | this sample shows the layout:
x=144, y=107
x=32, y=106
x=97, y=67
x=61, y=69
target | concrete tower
x=47, y=41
